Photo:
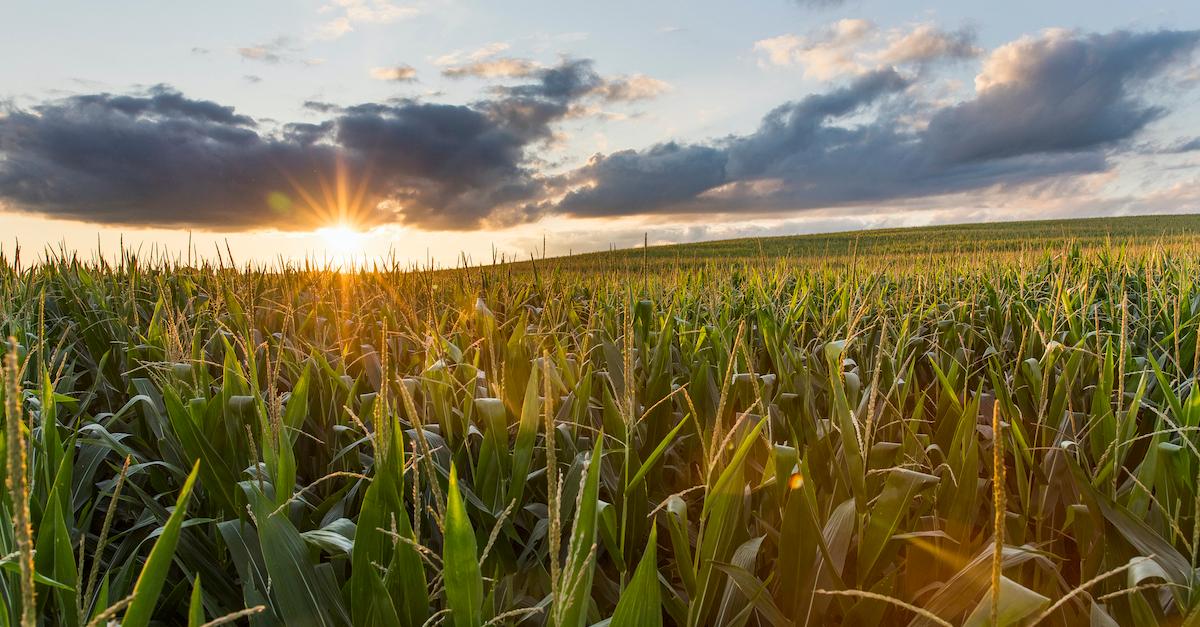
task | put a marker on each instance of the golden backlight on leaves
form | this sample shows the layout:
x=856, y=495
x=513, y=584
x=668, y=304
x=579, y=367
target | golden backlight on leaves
x=367, y=383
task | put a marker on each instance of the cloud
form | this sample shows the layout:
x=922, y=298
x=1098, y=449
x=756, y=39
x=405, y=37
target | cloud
x=647, y=181
x=156, y=159
x=1059, y=92
x=824, y=54
x=505, y=67
x=1044, y=107
x=851, y=47
x=161, y=159
x=1184, y=145
x=926, y=43
x=398, y=73
x=274, y=52
x=632, y=88
x=351, y=12
x=259, y=53
x=483, y=52
x=483, y=63
x=571, y=78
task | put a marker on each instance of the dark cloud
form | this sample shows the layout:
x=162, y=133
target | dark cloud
x=573, y=78
x=320, y=107
x=161, y=159
x=447, y=166
x=648, y=181
x=1044, y=107
x=1059, y=93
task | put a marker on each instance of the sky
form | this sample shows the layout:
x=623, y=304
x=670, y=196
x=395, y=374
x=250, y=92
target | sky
x=437, y=131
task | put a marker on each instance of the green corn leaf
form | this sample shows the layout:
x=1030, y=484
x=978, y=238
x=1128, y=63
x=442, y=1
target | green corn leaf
x=577, y=573
x=648, y=464
x=154, y=573
x=1017, y=603
x=641, y=602
x=522, y=454
x=460, y=560
x=196, y=605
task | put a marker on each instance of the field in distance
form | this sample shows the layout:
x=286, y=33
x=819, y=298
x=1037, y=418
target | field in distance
x=988, y=240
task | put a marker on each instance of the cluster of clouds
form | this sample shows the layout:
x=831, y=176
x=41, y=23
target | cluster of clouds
x=159, y=158
x=1057, y=104
x=1044, y=106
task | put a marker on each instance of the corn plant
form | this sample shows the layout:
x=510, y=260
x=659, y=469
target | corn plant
x=922, y=427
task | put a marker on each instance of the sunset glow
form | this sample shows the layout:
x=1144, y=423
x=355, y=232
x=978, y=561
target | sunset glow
x=343, y=244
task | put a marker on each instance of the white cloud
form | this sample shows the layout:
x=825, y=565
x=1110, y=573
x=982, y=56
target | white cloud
x=460, y=57
x=351, y=12
x=828, y=53
x=1012, y=61
x=927, y=42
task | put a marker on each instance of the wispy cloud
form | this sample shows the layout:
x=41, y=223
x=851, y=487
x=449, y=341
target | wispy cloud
x=348, y=13
x=632, y=88
x=504, y=67
x=459, y=57
x=398, y=73
x=1185, y=145
x=280, y=50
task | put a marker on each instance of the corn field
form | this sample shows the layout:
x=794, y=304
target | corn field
x=860, y=438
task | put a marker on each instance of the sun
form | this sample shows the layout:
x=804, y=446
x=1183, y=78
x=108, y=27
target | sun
x=342, y=242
